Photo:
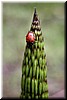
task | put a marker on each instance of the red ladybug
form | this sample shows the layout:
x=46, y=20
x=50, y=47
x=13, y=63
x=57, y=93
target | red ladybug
x=30, y=37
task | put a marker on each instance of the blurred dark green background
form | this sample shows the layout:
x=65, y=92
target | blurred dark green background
x=17, y=19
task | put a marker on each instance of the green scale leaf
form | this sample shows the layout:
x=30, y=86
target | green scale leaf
x=39, y=44
x=30, y=63
x=29, y=53
x=29, y=81
x=34, y=67
x=38, y=53
x=34, y=26
x=33, y=58
x=23, y=82
x=32, y=86
x=26, y=60
x=26, y=89
x=45, y=95
x=36, y=32
x=36, y=97
x=44, y=61
x=40, y=38
x=23, y=70
x=39, y=33
x=31, y=71
x=35, y=52
x=36, y=38
x=41, y=75
x=32, y=47
x=37, y=72
x=29, y=97
x=27, y=70
x=42, y=45
x=42, y=53
x=45, y=72
x=36, y=86
x=45, y=86
x=40, y=61
x=35, y=45
x=32, y=95
x=40, y=88
x=24, y=97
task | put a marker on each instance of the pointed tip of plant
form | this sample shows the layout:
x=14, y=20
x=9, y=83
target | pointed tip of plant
x=34, y=10
x=35, y=17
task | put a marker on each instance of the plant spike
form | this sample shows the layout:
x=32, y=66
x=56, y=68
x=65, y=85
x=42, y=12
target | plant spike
x=34, y=68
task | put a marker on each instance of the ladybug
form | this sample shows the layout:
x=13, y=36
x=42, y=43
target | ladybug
x=30, y=38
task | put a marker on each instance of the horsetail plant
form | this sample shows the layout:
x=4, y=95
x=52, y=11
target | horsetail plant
x=34, y=67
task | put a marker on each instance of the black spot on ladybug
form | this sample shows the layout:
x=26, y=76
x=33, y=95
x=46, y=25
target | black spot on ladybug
x=30, y=39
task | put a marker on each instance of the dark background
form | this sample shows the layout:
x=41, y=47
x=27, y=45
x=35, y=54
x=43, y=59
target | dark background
x=17, y=19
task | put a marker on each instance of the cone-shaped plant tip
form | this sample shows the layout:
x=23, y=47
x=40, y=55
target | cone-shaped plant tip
x=36, y=22
x=35, y=18
x=34, y=67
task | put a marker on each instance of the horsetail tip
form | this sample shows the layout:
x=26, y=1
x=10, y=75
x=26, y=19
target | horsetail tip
x=35, y=10
x=35, y=17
